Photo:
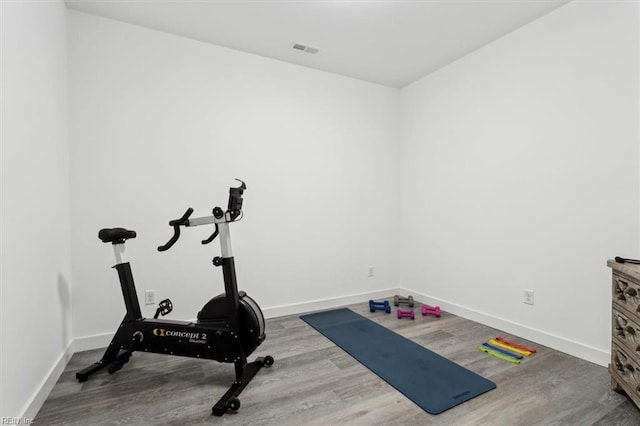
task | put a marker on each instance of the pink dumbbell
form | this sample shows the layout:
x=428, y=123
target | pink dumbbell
x=431, y=310
x=406, y=314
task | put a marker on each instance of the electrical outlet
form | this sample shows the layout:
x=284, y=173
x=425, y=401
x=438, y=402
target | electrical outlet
x=149, y=297
x=370, y=274
x=528, y=297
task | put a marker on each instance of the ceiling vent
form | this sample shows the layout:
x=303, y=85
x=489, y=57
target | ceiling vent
x=305, y=48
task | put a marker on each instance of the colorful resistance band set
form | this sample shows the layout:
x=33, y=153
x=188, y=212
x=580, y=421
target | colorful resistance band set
x=506, y=350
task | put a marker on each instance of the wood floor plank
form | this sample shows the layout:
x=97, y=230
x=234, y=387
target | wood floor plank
x=315, y=382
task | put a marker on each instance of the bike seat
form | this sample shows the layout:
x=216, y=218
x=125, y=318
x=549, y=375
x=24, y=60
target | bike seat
x=115, y=235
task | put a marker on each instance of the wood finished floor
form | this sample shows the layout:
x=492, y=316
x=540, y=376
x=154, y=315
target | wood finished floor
x=314, y=382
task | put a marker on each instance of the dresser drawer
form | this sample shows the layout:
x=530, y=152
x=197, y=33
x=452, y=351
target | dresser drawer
x=626, y=332
x=626, y=293
x=625, y=370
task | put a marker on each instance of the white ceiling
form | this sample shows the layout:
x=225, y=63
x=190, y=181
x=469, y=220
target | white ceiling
x=393, y=42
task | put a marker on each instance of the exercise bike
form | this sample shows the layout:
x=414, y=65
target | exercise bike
x=228, y=328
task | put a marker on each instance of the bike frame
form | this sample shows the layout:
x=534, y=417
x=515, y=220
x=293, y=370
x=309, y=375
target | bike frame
x=218, y=339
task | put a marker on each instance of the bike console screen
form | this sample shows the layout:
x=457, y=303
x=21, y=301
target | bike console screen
x=235, y=200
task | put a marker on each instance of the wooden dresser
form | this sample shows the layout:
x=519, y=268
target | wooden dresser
x=625, y=338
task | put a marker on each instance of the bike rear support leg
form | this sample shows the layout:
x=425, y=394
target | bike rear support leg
x=114, y=358
x=109, y=356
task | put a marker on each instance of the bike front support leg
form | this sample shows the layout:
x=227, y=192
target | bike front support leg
x=244, y=373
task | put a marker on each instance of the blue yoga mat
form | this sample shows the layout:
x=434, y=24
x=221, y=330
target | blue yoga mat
x=431, y=381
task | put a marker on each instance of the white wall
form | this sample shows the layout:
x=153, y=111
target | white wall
x=520, y=170
x=35, y=272
x=160, y=123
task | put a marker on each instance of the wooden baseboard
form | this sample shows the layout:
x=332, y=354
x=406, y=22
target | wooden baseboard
x=329, y=303
x=48, y=382
x=577, y=349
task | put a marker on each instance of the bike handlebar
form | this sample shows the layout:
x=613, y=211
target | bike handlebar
x=234, y=210
x=176, y=223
